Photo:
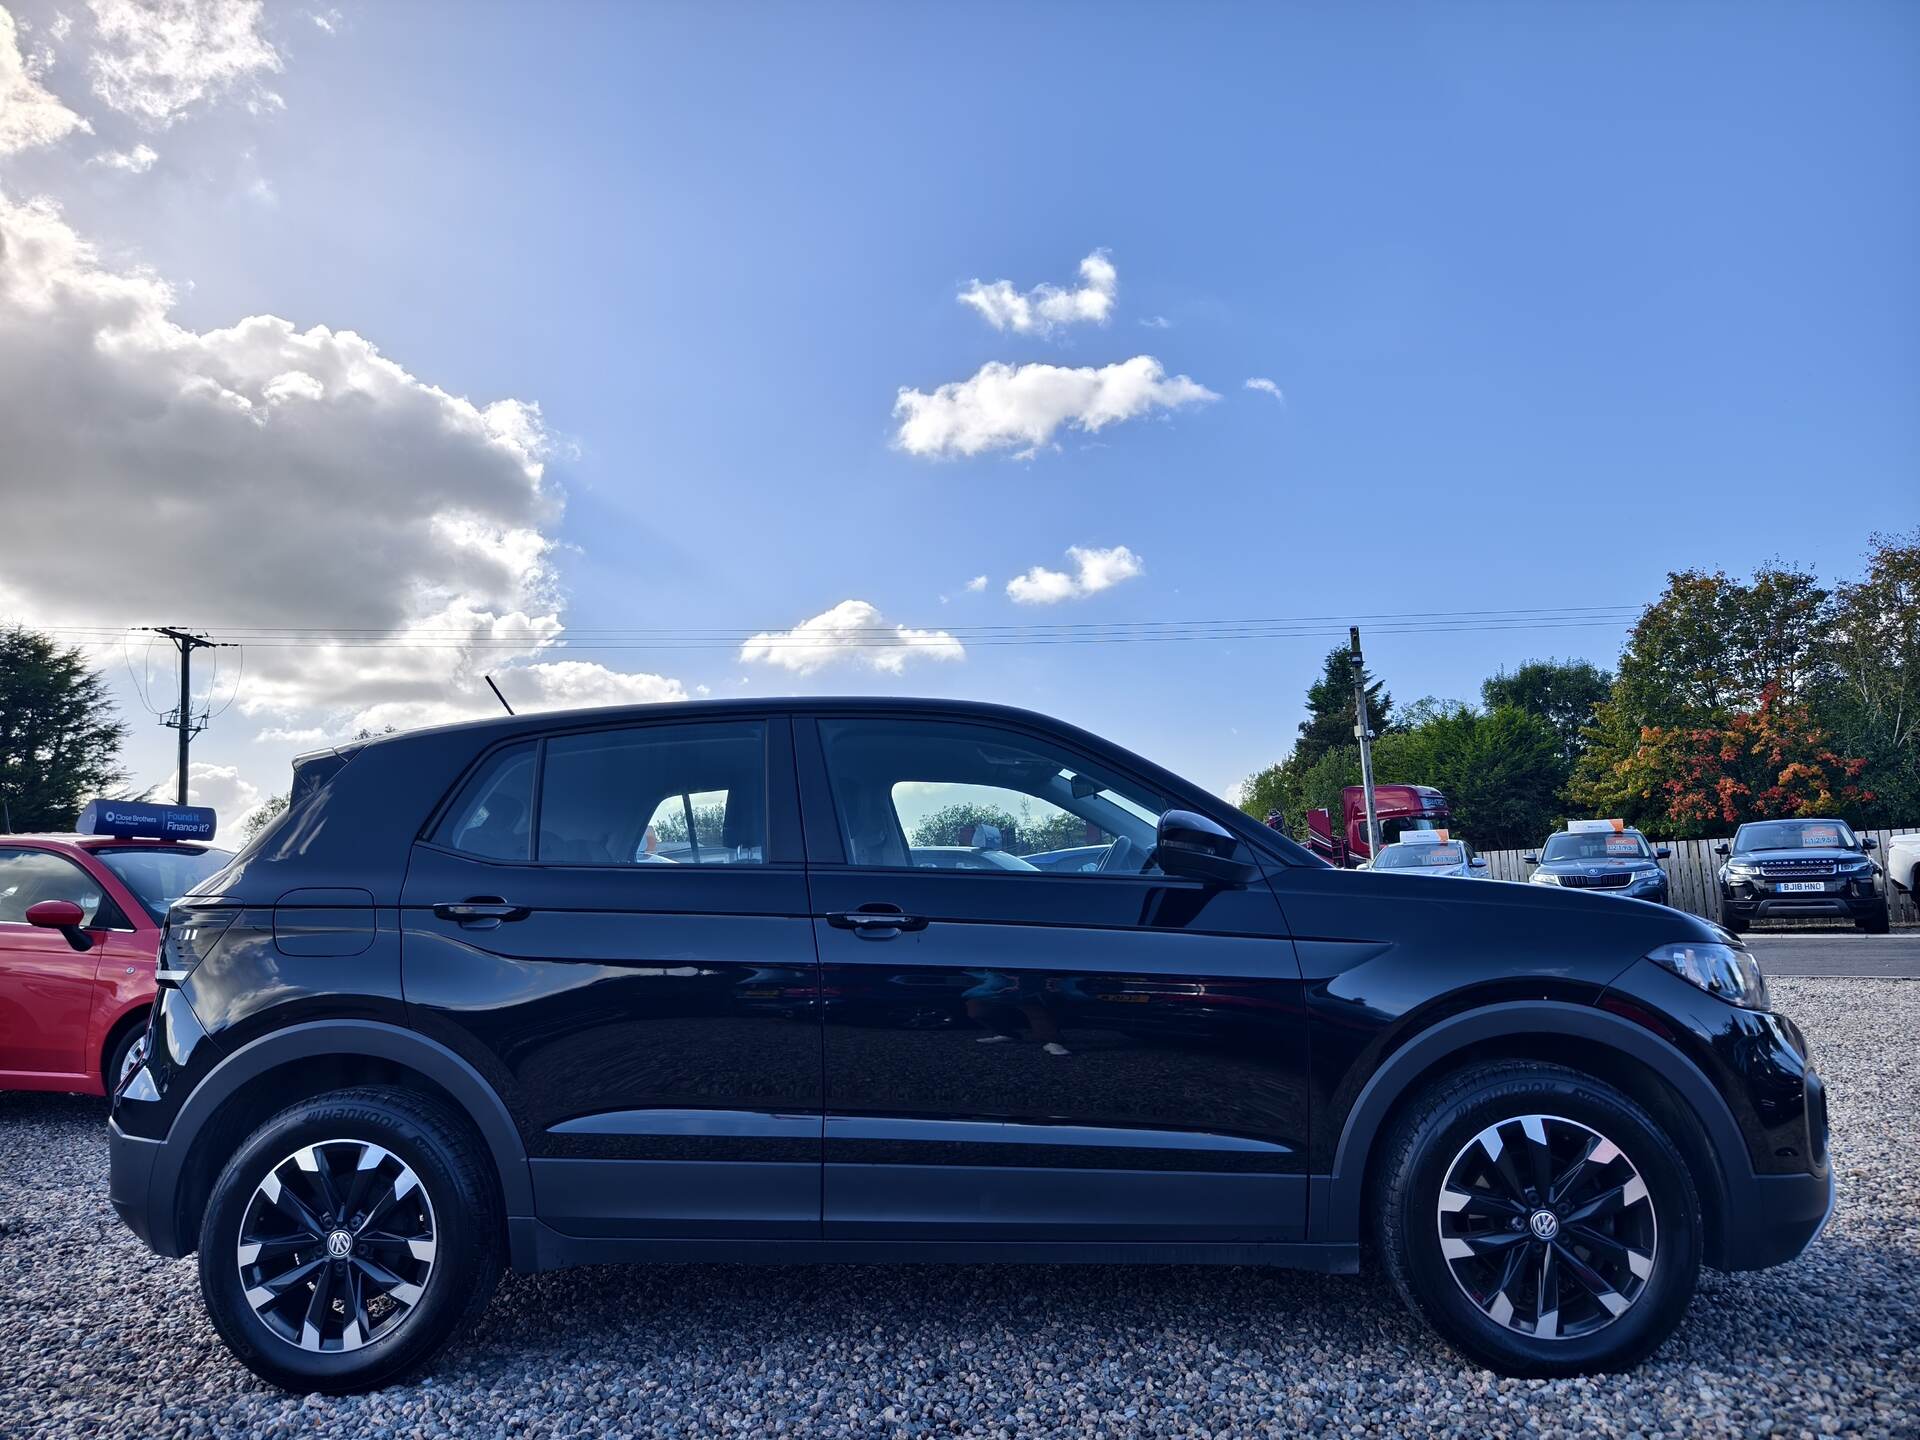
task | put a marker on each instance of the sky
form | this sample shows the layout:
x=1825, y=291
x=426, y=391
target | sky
x=638, y=352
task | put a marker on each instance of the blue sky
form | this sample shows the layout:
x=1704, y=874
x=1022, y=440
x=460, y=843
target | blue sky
x=1559, y=299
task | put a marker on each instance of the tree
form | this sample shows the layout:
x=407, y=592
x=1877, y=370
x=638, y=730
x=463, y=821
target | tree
x=1871, y=694
x=1772, y=760
x=1561, y=692
x=946, y=825
x=1501, y=771
x=1330, y=718
x=264, y=814
x=709, y=822
x=59, y=737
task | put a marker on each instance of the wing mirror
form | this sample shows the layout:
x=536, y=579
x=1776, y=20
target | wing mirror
x=1195, y=848
x=64, y=916
x=1867, y=842
x=1530, y=858
x=1720, y=847
x=1479, y=862
x=1663, y=852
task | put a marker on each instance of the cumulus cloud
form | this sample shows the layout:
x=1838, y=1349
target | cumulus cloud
x=853, y=632
x=1041, y=310
x=1006, y=406
x=30, y=114
x=977, y=584
x=1093, y=571
x=1267, y=387
x=155, y=59
x=261, y=476
x=232, y=796
x=136, y=161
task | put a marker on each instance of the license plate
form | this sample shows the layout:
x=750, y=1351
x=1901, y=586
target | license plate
x=1801, y=887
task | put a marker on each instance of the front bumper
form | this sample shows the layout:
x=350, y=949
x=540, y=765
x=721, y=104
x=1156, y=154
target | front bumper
x=1775, y=1220
x=1756, y=906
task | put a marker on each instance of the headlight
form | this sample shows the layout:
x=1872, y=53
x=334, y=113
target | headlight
x=1855, y=867
x=1649, y=877
x=1733, y=975
x=1748, y=871
x=1541, y=877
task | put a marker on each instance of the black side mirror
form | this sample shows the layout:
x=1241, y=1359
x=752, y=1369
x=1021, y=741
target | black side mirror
x=1530, y=858
x=1195, y=848
x=1720, y=847
x=1867, y=842
x=1662, y=852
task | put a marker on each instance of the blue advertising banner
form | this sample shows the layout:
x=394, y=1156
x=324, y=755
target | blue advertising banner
x=137, y=819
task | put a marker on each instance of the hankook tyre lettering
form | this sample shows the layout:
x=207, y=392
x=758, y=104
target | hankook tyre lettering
x=707, y=982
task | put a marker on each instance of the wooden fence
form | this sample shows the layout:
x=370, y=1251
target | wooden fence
x=1694, y=874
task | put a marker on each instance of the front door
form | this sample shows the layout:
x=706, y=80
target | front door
x=612, y=925
x=47, y=988
x=1019, y=1054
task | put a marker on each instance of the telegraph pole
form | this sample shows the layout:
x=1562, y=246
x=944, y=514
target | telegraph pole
x=183, y=719
x=1362, y=731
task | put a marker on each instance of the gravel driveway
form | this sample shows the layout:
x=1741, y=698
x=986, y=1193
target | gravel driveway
x=98, y=1337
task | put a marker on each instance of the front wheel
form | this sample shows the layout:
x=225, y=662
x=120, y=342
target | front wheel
x=1539, y=1219
x=1732, y=923
x=350, y=1238
x=1877, y=921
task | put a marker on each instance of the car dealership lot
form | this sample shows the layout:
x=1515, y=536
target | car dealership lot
x=100, y=1336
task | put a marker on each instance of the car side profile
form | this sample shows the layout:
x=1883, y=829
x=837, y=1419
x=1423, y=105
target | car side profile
x=450, y=1014
x=80, y=925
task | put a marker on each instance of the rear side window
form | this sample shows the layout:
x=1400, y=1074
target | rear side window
x=493, y=818
x=656, y=795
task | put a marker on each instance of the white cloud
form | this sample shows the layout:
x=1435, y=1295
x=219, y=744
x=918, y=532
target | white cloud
x=232, y=796
x=30, y=114
x=1157, y=322
x=854, y=632
x=977, y=584
x=236, y=469
x=1006, y=406
x=136, y=161
x=1039, y=310
x=1267, y=387
x=292, y=735
x=1094, y=571
x=155, y=59
x=327, y=20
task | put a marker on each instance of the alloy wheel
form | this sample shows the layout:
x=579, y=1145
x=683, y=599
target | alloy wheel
x=336, y=1245
x=1547, y=1227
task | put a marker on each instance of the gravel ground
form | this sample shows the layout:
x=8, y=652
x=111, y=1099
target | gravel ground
x=98, y=1337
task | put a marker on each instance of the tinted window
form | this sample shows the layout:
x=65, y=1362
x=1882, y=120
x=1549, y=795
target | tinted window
x=1796, y=835
x=29, y=876
x=156, y=877
x=656, y=794
x=1413, y=857
x=925, y=793
x=493, y=816
x=1597, y=845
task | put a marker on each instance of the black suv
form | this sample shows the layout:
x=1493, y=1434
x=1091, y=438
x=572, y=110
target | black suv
x=1801, y=869
x=666, y=983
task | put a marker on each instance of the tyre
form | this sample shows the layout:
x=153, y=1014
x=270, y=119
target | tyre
x=349, y=1239
x=1538, y=1219
x=1876, y=922
x=120, y=1057
x=1732, y=923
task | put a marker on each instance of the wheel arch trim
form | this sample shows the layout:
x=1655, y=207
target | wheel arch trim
x=1340, y=1198
x=369, y=1038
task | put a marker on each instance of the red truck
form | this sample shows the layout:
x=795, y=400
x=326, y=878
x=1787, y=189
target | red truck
x=1399, y=808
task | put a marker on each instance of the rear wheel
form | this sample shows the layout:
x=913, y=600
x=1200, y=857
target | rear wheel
x=1539, y=1220
x=350, y=1238
x=120, y=1055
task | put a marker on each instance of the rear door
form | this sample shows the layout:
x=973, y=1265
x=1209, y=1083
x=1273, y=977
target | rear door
x=612, y=923
x=1013, y=1054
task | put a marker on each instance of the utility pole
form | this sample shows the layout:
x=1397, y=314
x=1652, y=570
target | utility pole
x=183, y=718
x=1363, y=732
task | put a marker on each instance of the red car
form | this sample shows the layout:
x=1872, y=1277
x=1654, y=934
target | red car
x=80, y=923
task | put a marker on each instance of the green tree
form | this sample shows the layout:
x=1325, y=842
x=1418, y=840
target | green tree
x=1501, y=771
x=1870, y=698
x=264, y=814
x=709, y=822
x=945, y=825
x=1561, y=692
x=59, y=737
x=1330, y=717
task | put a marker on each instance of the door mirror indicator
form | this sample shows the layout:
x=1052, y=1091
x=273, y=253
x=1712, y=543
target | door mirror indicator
x=1193, y=847
x=64, y=916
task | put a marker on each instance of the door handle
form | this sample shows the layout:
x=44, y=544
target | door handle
x=874, y=922
x=480, y=912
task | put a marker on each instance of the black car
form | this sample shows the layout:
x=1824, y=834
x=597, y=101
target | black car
x=447, y=1015
x=1801, y=869
x=1607, y=862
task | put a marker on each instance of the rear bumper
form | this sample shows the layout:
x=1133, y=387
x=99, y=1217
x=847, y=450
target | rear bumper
x=138, y=1185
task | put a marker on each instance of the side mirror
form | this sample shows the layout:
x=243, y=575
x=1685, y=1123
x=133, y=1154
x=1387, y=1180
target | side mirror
x=1193, y=847
x=1530, y=858
x=64, y=916
x=1867, y=842
x=1662, y=852
x=1479, y=862
x=1720, y=847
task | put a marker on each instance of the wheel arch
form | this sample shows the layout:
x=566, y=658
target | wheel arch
x=1612, y=1049
x=132, y=1016
x=276, y=1070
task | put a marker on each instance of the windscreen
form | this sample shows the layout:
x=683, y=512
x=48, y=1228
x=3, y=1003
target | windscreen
x=158, y=877
x=1796, y=835
x=1420, y=857
x=1625, y=845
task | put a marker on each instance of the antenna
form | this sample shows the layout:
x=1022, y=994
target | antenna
x=497, y=695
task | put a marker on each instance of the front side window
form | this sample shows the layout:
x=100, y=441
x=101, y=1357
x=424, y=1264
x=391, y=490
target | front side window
x=937, y=795
x=29, y=876
x=655, y=795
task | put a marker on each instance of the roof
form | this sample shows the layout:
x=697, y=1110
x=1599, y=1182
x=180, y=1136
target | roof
x=105, y=842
